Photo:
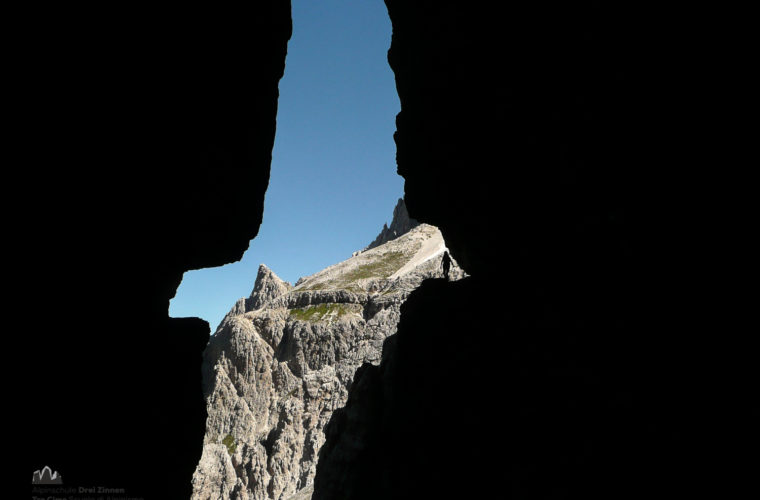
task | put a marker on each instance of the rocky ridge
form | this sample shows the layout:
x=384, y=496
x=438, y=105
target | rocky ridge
x=282, y=360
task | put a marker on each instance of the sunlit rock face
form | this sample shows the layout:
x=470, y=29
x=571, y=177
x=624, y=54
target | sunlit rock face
x=282, y=360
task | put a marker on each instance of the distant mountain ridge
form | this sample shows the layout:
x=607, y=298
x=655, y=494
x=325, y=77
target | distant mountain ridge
x=282, y=359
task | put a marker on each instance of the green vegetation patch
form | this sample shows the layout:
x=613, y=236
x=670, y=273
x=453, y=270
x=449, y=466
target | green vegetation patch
x=229, y=442
x=382, y=268
x=320, y=311
x=315, y=286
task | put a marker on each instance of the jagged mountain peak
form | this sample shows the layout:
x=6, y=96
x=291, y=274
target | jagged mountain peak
x=400, y=224
x=264, y=276
x=268, y=286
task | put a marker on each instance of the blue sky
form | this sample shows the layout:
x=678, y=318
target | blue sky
x=333, y=179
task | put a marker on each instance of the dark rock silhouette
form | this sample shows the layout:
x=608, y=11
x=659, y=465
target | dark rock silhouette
x=556, y=369
x=528, y=134
x=151, y=133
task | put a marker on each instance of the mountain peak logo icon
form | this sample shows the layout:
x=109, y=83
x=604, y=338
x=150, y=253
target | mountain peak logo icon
x=46, y=476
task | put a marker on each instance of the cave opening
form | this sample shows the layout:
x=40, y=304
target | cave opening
x=536, y=124
x=333, y=180
x=272, y=378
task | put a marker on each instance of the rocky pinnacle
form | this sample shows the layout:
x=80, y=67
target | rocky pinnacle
x=400, y=224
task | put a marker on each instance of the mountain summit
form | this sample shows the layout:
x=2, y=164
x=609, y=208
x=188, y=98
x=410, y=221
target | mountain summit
x=282, y=360
x=400, y=224
x=267, y=287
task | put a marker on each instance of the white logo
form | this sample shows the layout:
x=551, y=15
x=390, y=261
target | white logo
x=46, y=476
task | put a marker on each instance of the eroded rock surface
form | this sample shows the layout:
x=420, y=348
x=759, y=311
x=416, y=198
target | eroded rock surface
x=282, y=360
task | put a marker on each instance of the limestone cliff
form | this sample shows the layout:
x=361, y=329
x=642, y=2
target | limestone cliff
x=282, y=361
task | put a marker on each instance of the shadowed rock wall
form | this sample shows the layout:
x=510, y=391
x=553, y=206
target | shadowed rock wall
x=526, y=135
x=152, y=135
